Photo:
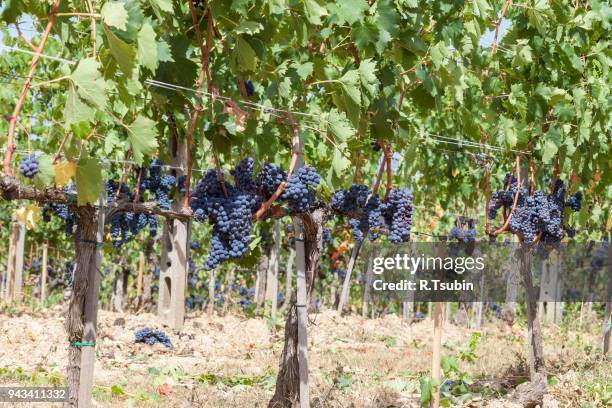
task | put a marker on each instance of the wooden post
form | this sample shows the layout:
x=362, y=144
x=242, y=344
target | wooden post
x=436, y=354
x=302, y=299
x=90, y=321
x=140, y=281
x=534, y=334
x=288, y=279
x=272, y=278
x=175, y=251
x=45, y=273
x=14, y=281
x=210, y=309
x=369, y=277
x=10, y=266
x=607, y=322
x=512, y=287
x=346, y=285
x=19, y=262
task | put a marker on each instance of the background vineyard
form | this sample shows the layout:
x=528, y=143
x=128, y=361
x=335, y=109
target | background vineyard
x=200, y=188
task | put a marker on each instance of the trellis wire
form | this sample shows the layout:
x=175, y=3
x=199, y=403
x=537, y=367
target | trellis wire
x=275, y=111
x=50, y=57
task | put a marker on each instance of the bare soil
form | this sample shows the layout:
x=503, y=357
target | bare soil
x=231, y=361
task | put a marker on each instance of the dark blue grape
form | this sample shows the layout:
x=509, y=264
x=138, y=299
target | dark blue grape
x=575, y=202
x=29, y=166
x=250, y=89
x=327, y=236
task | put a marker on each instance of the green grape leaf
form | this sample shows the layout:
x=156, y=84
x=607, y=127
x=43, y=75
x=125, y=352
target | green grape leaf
x=549, y=150
x=76, y=110
x=115, y=15
x=163, y=5
x=481, y=8
x=142, y=134
x=538, y=14
x=304, y=70
x=88, y=180
x=350, y=11
x=164, y=53
x=339, y=162
x=11, y=11
x=46, y=172
x=244, y=56
x=522, y=53
x=367, y=74
x=339, y=125
x=387, y=17
x=123, y=53
x=350, y=85
x=147, y=47
x=248, y=27
x=438, y=53
x=365, y=35
x=89, y=82
x=314, y=11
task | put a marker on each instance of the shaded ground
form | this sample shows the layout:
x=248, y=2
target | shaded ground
x=231, y=361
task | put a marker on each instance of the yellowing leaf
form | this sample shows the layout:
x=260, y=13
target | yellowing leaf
x=29, y=215
x=63, y=172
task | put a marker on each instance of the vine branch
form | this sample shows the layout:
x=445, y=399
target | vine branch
x=501, y=17
x=10, y=148
x=204, y=55
x=296, y=152
x=93, y=27
x=23, y=37
x=381, y=170
x=388, y=154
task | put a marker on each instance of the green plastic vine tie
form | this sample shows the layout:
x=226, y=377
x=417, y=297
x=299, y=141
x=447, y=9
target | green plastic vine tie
x=82, y=344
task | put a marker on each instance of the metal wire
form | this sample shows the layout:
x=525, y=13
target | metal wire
x=50, y=57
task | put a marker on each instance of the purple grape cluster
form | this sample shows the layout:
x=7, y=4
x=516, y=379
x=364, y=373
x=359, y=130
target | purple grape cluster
x=243, y=175
x=356, y=230
x=150, y=337
x=535, y=214
x=269, y=178
x=397, y=213
x=370, y=222
x=466, y=232
x=350, y=201
x=300, y=190
x=158, y=184
x=231, y=217
x=368, y=215
x=62, y=211
x=126, y=223
x=574, y=202
x=327, y=236
x=29, y=166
